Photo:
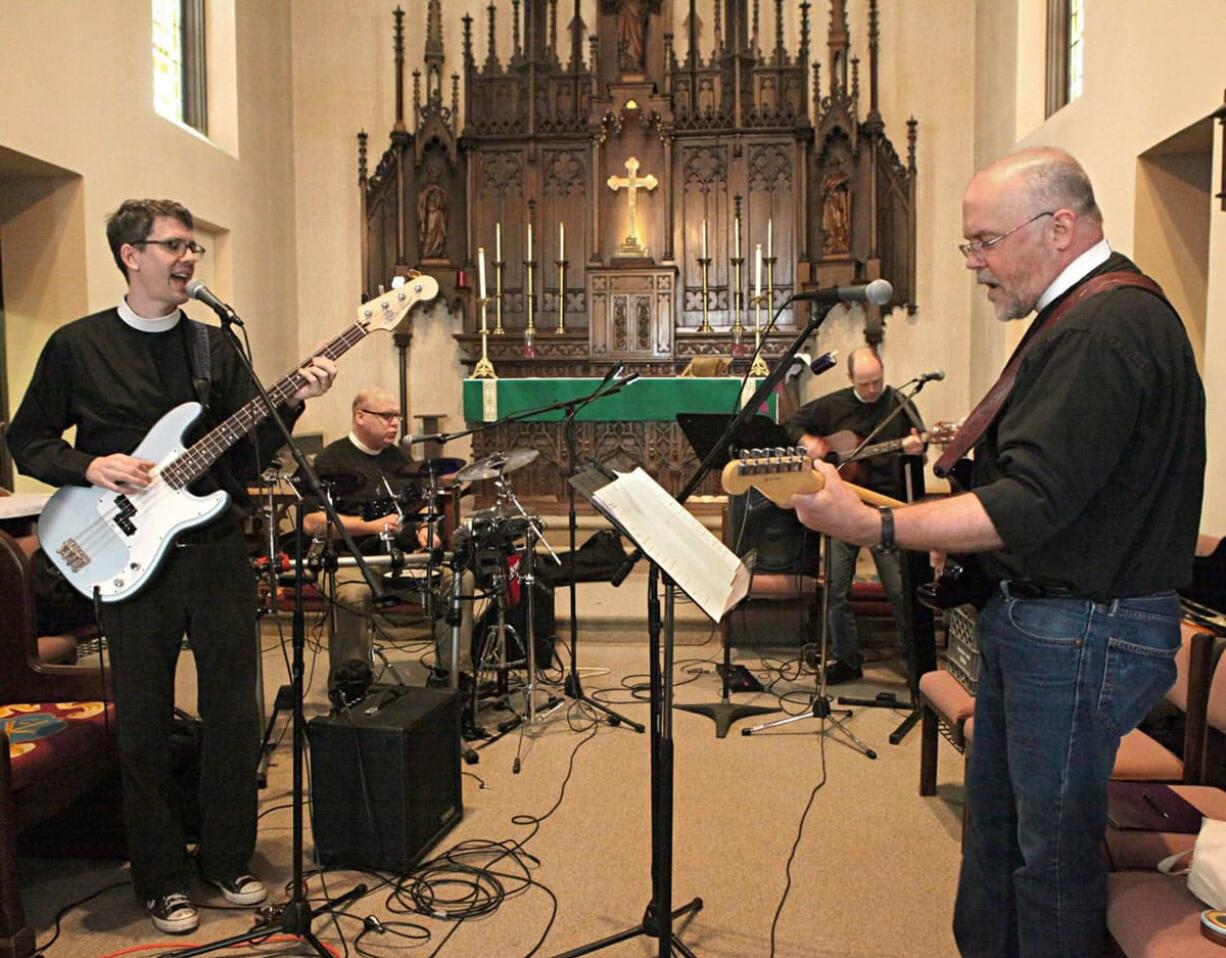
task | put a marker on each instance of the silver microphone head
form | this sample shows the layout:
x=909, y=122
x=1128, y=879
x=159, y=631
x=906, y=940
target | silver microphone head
x=879, y=291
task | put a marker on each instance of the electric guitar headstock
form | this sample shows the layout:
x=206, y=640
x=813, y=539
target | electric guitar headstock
x=386, y=310
x=778, y=474
x=942, y=433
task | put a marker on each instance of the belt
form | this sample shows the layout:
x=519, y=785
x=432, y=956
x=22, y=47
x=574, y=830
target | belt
x=1032, y=589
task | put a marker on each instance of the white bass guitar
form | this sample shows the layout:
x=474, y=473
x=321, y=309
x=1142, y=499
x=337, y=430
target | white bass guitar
x=115, y=541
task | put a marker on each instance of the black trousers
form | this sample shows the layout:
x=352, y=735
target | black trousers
x=206, y=591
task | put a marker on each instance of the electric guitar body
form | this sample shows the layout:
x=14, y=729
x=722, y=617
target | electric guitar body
x=113, y=540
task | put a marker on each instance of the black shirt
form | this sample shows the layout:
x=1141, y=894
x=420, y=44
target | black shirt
x=842, y=410
x=113, y=383
x=342, y=456
x=1093, y=471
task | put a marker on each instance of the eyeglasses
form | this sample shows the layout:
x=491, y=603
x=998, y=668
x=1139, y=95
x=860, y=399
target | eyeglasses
x=387, y=417
x=176, y=247
x=979, y=247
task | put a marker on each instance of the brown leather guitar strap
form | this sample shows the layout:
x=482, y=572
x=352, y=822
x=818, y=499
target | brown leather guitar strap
x=983, y=414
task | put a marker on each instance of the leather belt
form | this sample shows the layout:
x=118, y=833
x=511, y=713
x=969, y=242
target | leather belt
x=1032, y=589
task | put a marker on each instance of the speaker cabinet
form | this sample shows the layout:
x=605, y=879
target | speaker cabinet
x=385, y=777
x=782, y=544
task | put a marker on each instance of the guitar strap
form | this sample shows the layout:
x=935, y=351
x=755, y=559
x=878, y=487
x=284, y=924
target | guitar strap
x=982, y=415
x=198, y=353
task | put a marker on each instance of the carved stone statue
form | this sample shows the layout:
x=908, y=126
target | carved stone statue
x=632, y=35
x=836, y=211
x=432, y=222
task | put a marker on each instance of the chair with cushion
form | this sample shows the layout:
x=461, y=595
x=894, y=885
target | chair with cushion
x=56, y=742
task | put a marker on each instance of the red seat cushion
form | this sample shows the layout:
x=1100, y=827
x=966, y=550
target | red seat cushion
x=45, y=735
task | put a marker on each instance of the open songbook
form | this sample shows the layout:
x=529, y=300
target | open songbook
x=702, y=567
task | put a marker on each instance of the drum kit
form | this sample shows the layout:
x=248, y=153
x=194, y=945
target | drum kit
x=496, y=544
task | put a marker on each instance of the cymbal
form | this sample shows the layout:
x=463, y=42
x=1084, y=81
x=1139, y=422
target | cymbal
x=496, y=465
x=441, y=466
x=336, y=483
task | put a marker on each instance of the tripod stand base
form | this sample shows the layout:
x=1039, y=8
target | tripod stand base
x=819, y=708
x=888, y=700
x=573, y=690
x=724, y=713
x=643, y=928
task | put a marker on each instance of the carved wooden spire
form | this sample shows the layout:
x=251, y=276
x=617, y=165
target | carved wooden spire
x=398, y=51
x=839, y=41
x=874, y=115
x=577, y=26
x=434, y=54
x=491, y=57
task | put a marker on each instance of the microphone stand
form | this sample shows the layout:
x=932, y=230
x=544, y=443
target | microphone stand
x=658, y=918
x=297, y=914
x=921, y=616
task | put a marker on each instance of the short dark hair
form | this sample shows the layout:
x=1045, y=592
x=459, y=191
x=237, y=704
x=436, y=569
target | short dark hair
x=133, y=220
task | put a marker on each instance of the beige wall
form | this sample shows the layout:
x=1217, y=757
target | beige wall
x=76, y=96
x=1152, y=70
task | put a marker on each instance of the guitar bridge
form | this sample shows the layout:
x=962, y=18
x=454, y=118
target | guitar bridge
x=76, y=557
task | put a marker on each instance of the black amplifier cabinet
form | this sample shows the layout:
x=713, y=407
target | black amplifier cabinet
x=385, y=777
x=962, y=655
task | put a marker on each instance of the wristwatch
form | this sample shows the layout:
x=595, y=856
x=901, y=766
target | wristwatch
x=887, y=529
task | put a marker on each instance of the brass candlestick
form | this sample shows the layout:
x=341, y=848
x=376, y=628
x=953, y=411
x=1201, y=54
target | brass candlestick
x=498, y=330
x=530, y=328
x=705, y=263
x=758, y=367
x=484, y=368
x=561, y=264
x=738, y=304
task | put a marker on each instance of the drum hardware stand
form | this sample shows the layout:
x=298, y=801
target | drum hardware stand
x=572, y=688
x=284, y=700
x=295, y=916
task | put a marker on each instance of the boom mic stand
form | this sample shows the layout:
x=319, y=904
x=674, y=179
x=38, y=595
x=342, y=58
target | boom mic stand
x=920, y=616
x=297, y=914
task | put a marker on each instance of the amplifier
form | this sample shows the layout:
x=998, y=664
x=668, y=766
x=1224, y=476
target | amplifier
x=385, y=777
x=962, y=653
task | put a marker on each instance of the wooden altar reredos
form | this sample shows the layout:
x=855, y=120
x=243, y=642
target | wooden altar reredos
x=747, y=131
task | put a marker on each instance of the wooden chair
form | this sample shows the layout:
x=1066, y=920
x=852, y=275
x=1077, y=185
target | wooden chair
x=56, y=741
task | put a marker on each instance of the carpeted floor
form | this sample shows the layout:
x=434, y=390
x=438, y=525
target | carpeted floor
x=872, y=875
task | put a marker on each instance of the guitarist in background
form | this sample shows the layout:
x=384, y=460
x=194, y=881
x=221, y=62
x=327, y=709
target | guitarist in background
x=113, y=375
x=1089, y=472
x=859, y=409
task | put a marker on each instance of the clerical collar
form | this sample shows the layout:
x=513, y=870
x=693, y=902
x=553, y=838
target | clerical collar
x=361, y=445
x=158, y=324
x=1075, y=272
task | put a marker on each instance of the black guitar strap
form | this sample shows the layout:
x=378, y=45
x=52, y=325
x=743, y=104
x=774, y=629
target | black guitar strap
x=198, y=353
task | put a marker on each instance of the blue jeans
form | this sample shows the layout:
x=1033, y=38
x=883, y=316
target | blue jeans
x=1060, y=681
x=844, y=637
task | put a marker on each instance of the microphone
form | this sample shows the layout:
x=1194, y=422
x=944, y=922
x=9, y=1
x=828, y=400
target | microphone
x=197, y=290
x=935, y=376
x=823, y=362
x=879, y=291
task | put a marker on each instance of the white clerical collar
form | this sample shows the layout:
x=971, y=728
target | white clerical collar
x=158, y=324
x=1075, y=272
x=361, y=445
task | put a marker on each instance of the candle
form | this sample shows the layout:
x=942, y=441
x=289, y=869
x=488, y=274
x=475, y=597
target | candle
x=757, y=271
x=704, y=239
x=770, y=238
x=498, y=242
x=561, y=241
x=481, y=270
x=529, y=242
x=738, y=237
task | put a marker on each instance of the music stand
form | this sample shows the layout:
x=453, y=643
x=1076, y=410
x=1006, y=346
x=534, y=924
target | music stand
x=705, y=431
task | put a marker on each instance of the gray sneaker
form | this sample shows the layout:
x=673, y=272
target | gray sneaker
x=241, y=889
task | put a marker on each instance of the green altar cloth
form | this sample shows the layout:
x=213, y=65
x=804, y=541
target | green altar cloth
x=650, y=399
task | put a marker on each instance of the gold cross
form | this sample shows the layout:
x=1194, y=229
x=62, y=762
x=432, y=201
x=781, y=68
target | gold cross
x=632, y=183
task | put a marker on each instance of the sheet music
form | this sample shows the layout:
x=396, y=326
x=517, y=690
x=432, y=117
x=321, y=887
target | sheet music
x=703, y=567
